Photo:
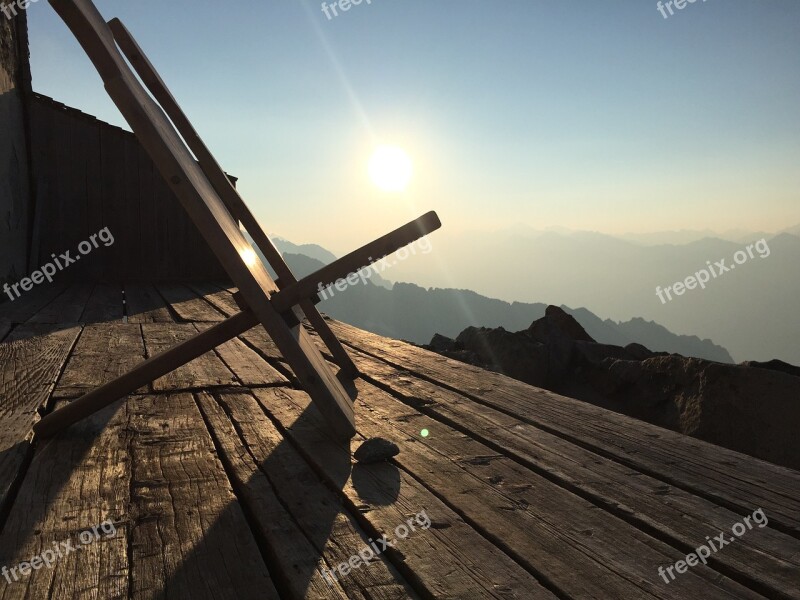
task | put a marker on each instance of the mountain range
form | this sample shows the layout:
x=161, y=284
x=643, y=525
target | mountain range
x=414, y=313
x=749, y=310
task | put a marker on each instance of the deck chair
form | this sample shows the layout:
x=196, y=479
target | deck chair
x=216, y=208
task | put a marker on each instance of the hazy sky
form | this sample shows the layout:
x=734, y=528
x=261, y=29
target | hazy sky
x=585, y=114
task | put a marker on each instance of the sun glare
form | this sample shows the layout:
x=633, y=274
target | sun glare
x=249, y=257
x=390, y=168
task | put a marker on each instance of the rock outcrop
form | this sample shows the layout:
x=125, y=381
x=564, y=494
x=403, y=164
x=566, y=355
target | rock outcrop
x=752, y=407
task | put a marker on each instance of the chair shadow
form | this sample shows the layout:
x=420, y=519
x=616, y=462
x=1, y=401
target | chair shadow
x=377, y=485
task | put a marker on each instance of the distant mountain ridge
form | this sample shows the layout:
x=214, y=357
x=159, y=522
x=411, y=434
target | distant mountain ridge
x=410, y=312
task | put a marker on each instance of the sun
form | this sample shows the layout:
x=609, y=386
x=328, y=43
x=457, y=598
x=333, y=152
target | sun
x=390, y=168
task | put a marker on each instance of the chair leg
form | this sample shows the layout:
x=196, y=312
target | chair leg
x=144, y=373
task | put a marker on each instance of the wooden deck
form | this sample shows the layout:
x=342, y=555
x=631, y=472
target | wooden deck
x=221, y=481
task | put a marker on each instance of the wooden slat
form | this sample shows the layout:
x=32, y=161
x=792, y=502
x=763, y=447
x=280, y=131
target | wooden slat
x=222, y=300
x=449, y=560
x=203, y=372
x=152, y=244
x=188, y=305
x=145, y=305
x=766, y=560
x=112, y=147
x=25, y=307
x=100, y=262
x=105, y=304
x=71, y=187
x=729, y=478
x=75, y=482
x=508, y=501
x=5, y=327
x=31, y=360
x=67, y=308
x=190, y=538
x=257, y=455
x=135, y=238
x=248, y=367
x=313, y=507
x=104, y=352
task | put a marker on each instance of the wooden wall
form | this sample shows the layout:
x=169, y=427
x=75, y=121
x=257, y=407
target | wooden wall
x=14, y=173
x=89, y=175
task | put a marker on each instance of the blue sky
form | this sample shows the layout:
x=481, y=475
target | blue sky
x=579, y=114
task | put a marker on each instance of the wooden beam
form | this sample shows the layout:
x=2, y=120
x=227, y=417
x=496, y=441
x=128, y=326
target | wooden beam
x=224, y=188
x=144, y=373
x=351, y=263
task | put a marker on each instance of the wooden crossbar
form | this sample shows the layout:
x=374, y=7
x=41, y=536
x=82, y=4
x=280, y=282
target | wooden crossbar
x=150, y=370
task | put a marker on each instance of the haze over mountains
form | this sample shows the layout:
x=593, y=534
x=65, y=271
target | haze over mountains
x=408, y=311
x=748, y=314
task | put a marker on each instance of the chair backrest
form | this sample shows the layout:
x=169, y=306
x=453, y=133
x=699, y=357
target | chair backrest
x=169, y=152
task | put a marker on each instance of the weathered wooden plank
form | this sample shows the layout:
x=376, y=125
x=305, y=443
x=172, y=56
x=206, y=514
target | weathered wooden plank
x=112, y=147
x=152, y=244
x=761, y=560
x=60, y=219
x=190, y=538
x=76, y=482
x=145, y=305
x=332, y=535
x=132, y=264
x=37, y=145
x=167, y=212
x=71, y=189
x=296, y=565
x=259, y=340
x=206, y=371
x=66, y=308
x=511, y=501
x=104, y=352
x=105, y=304
x=95, y=220
x=768, y=562
x=31, y=360
x=222, y=300
x=30, y=303
x=570, y=534
x=5, y=327
x=248, y=367
x=729, y=478
x=188, y=305
x=449, y=560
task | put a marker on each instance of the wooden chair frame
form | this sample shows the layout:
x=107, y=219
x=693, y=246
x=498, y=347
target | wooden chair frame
x=216, y=208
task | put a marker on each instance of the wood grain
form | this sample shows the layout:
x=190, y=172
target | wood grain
x=738, y=482
x=449, y=560
x=206, y=371
x=145, y=305
x=189, y=537
x=104, y=352
x=767, y=560
x=31, y=360
x=75, y=482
